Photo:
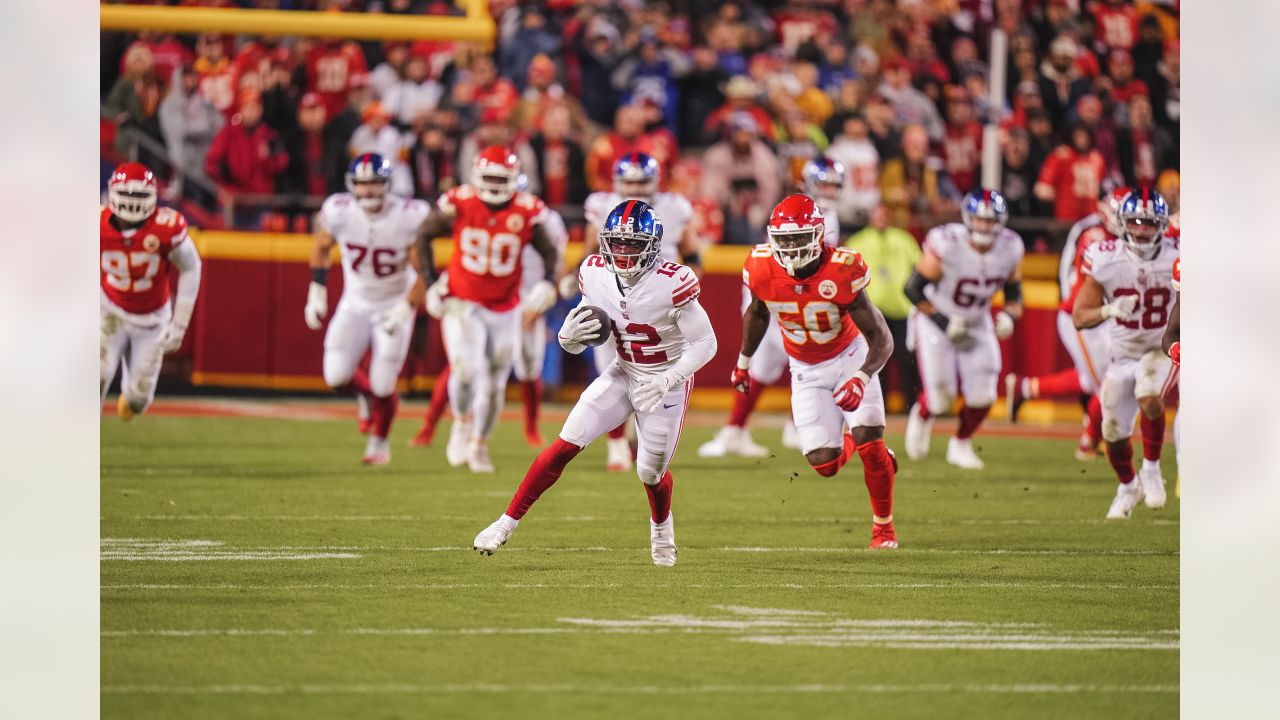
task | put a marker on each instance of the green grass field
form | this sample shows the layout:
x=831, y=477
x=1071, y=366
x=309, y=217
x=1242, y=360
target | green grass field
x=251, y=568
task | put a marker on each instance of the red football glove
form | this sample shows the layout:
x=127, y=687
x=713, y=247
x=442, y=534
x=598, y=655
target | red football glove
x=740, y=380
x=1175, y=354
x=849, y=395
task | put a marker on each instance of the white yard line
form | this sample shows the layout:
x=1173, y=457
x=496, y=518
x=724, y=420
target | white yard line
x=586, y=689
x=599, y=586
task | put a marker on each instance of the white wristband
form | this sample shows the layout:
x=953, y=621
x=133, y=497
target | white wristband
x=744, y=361
x=865, y=378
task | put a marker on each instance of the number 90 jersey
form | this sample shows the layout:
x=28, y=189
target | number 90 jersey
x=375, y=248
x=970, y=278
x=811, y=311
x=645, y=330
x=488, y=244
x=135, y=269
x=1121, y=273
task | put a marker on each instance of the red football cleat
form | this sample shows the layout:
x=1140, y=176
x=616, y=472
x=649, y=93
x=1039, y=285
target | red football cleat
x=883, y=537
x=534, y=438
x=424, y=437
x=364, y=425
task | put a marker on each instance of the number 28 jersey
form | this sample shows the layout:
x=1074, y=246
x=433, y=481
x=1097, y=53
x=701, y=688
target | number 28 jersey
x=970, y=278
x=488, y=245
x=135, y=266
x=811, y=311
x=1121, y=273
x=375, y=248
x=645, y=314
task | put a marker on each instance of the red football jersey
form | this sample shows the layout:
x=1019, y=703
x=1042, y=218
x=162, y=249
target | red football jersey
x=135, y=269
x=1087, y=238
x=488, y=244
x=811, y=311
x=1177, y=275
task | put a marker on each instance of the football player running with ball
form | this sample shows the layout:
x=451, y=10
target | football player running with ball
x=837, y=342
x=138, y=245
x=1131, y=281
x=480, y=297
x=649, y=309
x=961, y=267
x=375, y=232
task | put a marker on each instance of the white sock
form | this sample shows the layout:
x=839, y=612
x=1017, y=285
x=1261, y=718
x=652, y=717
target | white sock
x=1152, y=466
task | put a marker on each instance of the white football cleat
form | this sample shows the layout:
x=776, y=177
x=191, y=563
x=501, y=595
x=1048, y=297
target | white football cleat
x=960, y=453
x=495, y=536
x=459, y=446
x=919, y=431
x=662, y=541
x=1153, y=494
x=478, y=458
x=1128, y=495
x=747, y=447
x=722, y=444
x=790, y=436
x=376, y=451
x=619, y=455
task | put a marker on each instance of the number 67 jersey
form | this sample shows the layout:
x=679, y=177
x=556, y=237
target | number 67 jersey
x=1121, y=273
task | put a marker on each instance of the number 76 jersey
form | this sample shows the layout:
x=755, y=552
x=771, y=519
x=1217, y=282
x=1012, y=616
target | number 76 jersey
x=1122, y=273
x=375, y=248
x=811, y=311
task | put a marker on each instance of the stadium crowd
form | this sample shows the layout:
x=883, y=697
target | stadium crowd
x=731, y=97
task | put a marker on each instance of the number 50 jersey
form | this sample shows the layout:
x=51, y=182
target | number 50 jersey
x=645, y=330
x=375, y=248
x=488, y=245
x=811, y=311
x=1121, y=273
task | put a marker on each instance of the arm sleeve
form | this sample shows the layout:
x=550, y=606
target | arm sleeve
x=695, y=325
x=187, y=260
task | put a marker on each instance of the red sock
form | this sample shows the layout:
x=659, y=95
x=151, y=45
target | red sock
x=359, y=383
x=439, y=398
x=831, y=467
x=1152, y=436
x=660, y=497
x=1095, y=420
x=531, y=392
x=542, y=474
x=1121, y=456
x=923, y=403
x=382, y=410
x=970, y=419
x=877, y=471
x=1059, y=384
x=745, y=403
x=618, y=432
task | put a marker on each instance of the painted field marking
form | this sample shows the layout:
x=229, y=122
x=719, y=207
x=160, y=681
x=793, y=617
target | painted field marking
x=979, y=522
x=606, y=586
x=140, y=550
x=491, y=688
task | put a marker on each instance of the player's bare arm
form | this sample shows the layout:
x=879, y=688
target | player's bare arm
x=871, y=324
x=1089, y=308
x=317, y=306
x=321, y=253
x=541, y=242
x=755, y=323
x=438, y=224
x=690, y=251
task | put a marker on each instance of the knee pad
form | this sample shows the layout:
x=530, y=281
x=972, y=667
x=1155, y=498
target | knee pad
x=939, y=402
x=382, y=387
x=336, y=376
x=982, y=396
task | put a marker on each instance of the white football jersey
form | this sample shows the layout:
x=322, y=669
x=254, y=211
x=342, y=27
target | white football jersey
x=645, y=313
x=375, y=248
x=673, y=210
x=970, y=278
x=830, y=221
x=531, y=265
x=1121, y=273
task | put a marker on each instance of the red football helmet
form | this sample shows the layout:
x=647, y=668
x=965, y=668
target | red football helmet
x=795, y=232
x=131, y=192
x=495, y=174
x=1109, y=209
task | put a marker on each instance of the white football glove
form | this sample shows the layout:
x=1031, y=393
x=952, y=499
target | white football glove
x=568, y=285
x=1004, y=325
x=649, y=393
x=172, y=338
x=578, y=329
x=396, y=316
x=958, y=332
x=436, y=294
x=1120, y=308
x=540, y=298
x=317, y=306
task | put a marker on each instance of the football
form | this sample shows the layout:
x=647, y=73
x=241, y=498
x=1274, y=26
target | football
x=606, y=326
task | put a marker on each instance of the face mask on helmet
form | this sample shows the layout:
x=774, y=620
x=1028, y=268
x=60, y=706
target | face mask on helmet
x=493, y=187
x=132, y=201
x=628, y=254
x=983, y=230
x=370, y=194
x=795, y=247
x=823, y=190
x=1142, y=234
x=641, y=189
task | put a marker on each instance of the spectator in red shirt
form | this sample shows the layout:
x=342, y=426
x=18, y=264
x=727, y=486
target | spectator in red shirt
x=330, y=67
x=962, y=145
x=741, y=93
x=1117, y=23
x=304, y=142
x=246, y=156
x=627, y=136
x=491, y=92
x=1091, y=114
x=1071, y=177
x=1124, y=86
x=217, y=74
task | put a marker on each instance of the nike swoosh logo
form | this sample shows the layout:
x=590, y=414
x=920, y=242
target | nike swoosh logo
x=668, y=407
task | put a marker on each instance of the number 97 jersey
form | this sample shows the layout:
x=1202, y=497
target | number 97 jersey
x=135, y=266
x=811, y=311
x=1121, y=273
x=488, y=244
